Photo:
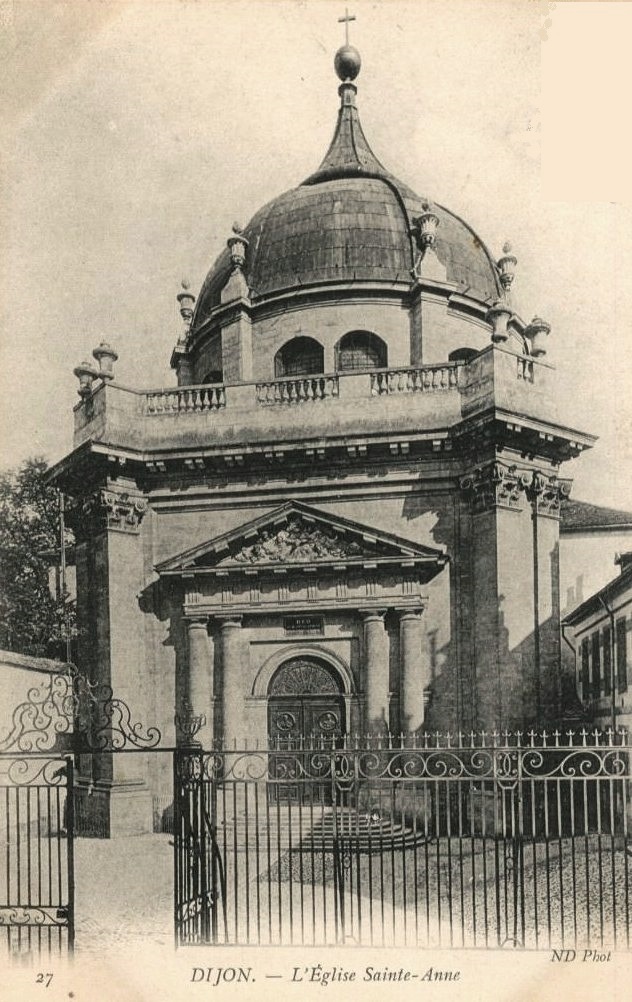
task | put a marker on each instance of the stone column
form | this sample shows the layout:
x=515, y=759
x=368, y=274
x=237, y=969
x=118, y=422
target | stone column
x=376, y=672
x=232, y=679
x=414, y=671
x=200, y=679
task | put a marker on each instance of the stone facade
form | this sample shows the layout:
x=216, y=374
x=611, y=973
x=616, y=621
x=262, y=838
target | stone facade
x=391, y=531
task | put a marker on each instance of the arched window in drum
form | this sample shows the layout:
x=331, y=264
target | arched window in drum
x=302, y=356
x=359, y=350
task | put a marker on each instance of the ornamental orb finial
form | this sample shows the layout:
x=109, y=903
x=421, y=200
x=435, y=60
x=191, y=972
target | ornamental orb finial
x=347, y=62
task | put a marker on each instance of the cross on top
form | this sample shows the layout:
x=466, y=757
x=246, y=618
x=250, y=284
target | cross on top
x=345, y=20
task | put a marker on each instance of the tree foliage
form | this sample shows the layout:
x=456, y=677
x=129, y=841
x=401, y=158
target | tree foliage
x=32, y=616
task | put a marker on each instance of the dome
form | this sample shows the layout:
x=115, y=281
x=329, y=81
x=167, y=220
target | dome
x=350, y=221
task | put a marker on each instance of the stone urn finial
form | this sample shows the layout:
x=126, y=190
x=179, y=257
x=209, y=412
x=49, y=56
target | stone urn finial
x=425, y=228
x=507, y=267
x=86, y=374
x=499, y=315
x=106, y=357
x=537, y=332
x=237, y=245
x=187, y=302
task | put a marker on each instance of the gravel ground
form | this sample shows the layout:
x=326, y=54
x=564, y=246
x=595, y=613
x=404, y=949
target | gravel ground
x=429, y=896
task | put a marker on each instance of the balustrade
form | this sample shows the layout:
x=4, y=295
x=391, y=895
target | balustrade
x=298, y=390
x=438, y=378
x=423, y=380
x=186, y=399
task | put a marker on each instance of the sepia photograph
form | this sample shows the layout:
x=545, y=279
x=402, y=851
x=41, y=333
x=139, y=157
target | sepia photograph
x=315, y=507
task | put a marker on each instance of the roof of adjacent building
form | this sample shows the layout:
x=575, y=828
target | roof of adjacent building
x=594, y=602
x=580, y=516
x=349, y=221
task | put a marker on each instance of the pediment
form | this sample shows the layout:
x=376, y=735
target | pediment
x=296, y=535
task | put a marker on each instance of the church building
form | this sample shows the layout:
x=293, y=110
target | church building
x=345, y=516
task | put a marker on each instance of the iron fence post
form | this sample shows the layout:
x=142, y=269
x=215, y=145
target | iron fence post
x=70, y=850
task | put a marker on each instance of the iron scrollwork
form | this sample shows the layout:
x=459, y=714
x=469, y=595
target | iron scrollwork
x=82, y=716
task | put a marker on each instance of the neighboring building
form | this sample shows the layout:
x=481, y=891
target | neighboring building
x=590, y=538
x=346, y=515
x=600, y=630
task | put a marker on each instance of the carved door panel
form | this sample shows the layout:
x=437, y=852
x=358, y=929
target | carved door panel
x=323, y=718
x=298, y=728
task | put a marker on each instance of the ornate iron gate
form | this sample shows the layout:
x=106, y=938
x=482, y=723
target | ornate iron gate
x=63, y=717
x=36, y=868
x=492, y=843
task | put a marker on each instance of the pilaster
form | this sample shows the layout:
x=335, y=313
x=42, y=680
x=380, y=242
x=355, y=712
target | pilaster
x=515, y=593
x=111, y=644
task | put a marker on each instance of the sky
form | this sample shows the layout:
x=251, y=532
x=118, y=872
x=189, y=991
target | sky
x=135, y=133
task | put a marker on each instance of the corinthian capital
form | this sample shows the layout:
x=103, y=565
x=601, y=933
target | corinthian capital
x=496, y=485
x=546, y=493
x=107, y=509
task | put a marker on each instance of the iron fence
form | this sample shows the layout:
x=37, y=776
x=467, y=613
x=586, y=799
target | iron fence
x=478, y=841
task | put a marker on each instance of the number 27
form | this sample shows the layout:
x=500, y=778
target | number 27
x=43, y=979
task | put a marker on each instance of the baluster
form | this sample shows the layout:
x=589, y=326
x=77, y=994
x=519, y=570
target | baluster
x=418, y=383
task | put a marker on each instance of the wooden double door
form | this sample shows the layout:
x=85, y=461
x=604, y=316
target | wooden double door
x=306, y=713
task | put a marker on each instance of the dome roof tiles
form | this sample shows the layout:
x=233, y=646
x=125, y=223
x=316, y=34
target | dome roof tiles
x=350, y=221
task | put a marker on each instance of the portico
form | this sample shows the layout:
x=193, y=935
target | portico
x=299, y=587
